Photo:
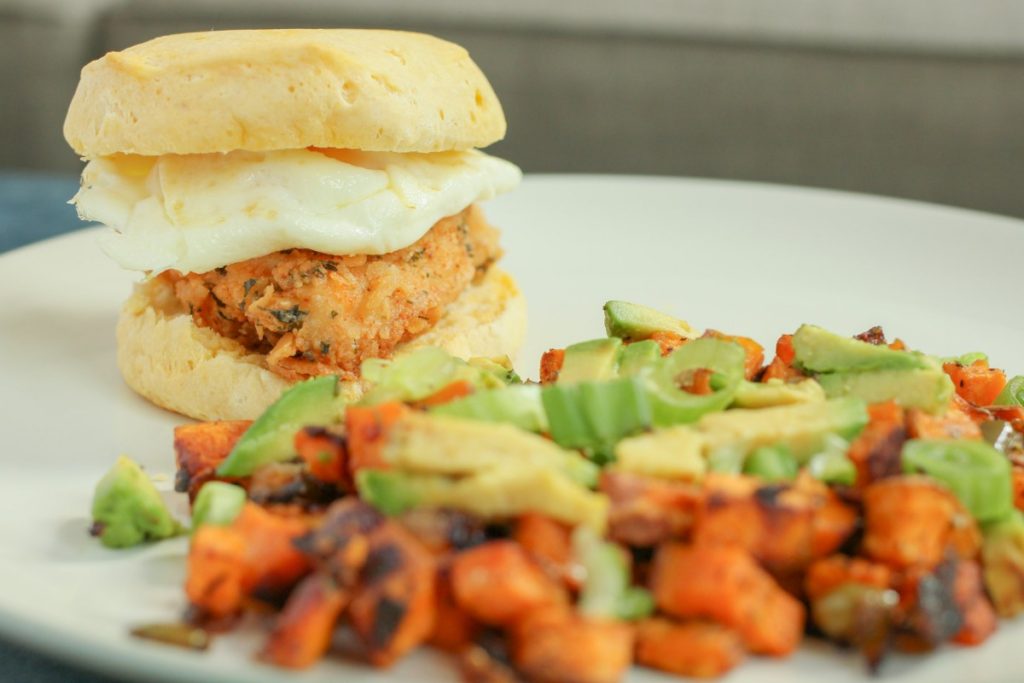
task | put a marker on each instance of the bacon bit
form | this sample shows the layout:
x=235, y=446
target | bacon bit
x=875, y=336
x=550, y=365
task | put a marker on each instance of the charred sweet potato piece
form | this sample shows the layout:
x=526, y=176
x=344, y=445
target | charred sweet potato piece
x=727, y=585
x=302, y=631
x=443, y=530
x=548, y=542
x=646, y=511
x=698, y=649
x=559, y=646
x=979, y=617
x=953, y=424
x=785, y=526
x=453, y=629
x=255, y=555
x=477, y=665
x=323, y=451
x=216, y=566
x=551, y=364
x=394, y=608
x=911, y=521
x=367, y=428
x=498, y=584
x=876, y=450
x=199, y=448
x=928, y=613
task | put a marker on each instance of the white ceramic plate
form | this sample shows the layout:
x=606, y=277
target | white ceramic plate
x=743, y=258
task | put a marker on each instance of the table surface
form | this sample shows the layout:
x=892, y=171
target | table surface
x=34, y=207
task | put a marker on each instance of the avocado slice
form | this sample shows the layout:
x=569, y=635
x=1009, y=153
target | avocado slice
x=595, y=359
x=928, y=390
x=818, y=350
x=672, y=453
x=316, y=402
x=775, y=392
x=518, y=405
x=127, y=509
x=635, y=322
x=441, y=444
x=804, y=428
x=499, y=492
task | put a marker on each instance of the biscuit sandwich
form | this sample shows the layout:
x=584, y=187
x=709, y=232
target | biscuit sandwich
x=299, y=201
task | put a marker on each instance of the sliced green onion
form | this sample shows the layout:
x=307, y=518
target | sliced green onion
x=217, y=503
x=637, y=356
x=772, y=464
x=671, y=405
x=728, y=459
x=606, y=590
x=596, y=415
x=977, y=473
x=966, y=359
x=833, y=468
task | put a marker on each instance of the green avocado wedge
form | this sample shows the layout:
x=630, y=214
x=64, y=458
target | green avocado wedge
x=315, y=402
x=818, y=350
x=128, y=510
x=633, y=322
x=928, y=389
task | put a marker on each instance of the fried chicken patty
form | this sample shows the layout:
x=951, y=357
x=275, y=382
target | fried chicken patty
x=317, y=314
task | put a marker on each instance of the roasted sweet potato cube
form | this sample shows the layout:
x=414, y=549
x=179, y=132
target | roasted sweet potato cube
x=559, y=646
x=724, y=583
x=911, y=520
x=454, y=629
x=498, y=584
x=367, y=428
x=785, y=526
x=876, y=450
x=302, y=631
x=272, y=564
x=548, y=542
x=199, y=448
x=953, y=424
x=829, y=573
x=394, y=608
x=698, y=649
x=979, y=617
x=551, y=364
x=323, y=450
x=216, y=567
x=646, y=511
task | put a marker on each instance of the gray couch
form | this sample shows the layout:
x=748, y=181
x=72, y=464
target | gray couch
x=912, y=98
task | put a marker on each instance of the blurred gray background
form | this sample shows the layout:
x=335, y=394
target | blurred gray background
x=912, y=98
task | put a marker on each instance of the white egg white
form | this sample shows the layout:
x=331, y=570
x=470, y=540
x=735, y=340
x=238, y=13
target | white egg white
x=197, y=212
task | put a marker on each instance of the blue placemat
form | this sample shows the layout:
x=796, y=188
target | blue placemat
x=33, y=206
